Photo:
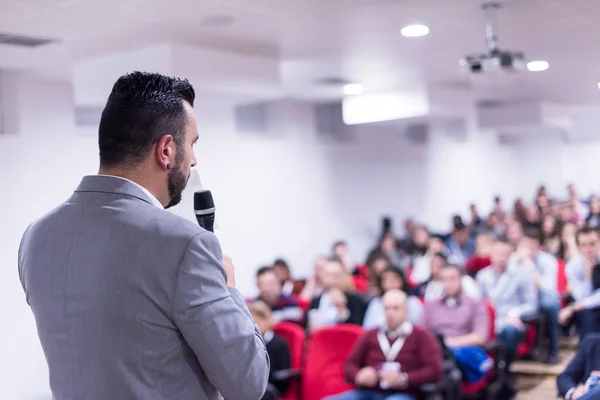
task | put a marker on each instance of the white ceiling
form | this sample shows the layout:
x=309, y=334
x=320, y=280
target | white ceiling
x=358, y=40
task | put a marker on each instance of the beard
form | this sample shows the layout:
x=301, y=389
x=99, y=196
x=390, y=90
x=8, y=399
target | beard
x=176, y=182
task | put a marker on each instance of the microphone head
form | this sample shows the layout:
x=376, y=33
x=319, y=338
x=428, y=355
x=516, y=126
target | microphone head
x=203, y=200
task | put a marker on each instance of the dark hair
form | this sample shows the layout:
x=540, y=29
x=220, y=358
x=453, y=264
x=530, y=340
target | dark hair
x=280, y=262
x=459, y=226
x=335, y=259
x=584, y=231
x=338, y=243
x=441, y=255
x=454, y=267
x=264, y=270
x=398, y=272
x=533, y=233
x=374, y=256
x=141, y=108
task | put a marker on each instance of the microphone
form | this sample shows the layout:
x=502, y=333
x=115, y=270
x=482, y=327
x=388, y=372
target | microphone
x=204, y=207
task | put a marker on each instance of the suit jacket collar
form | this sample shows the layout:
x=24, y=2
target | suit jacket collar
x=116, y=185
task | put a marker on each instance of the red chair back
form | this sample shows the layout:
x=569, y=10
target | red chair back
x=361, y=284
x=295, y=337
x=409, y=279
x=492, y=317
x=328, y=350
x=561, y=276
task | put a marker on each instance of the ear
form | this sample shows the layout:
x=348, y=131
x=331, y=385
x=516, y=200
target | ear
x=165, y=152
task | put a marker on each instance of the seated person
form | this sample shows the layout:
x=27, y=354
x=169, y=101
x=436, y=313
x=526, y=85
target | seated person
x=282, y=270
x=284, y=308
x=580, y=274
x=338, y=304
x=314, y=284
x=481, y=258
x=542, y=268
x=513, y=295
x=460, y=245
x=421, y=271
x=583, y=369
x=463, y=322
x=391, y=279
x=392, y=363
x=376, y=263
x=433, y=288
x=277, y=348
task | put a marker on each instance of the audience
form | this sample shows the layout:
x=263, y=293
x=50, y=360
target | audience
x=377, y=262
x=541, y=267
x=421, y=270
x=481, y=258
x=433, y=288
x=393, y=362
x=338, y=303
x=576, y=382
x=582, y=277
x=391, y=278
x=282, y=271
x=277, y=348
x=314, y=284
x=462, y=321
x=460, y=245
x=568, y=242
x=513, y=296
x=284, y=308
x=515, y=259
x=340, y=250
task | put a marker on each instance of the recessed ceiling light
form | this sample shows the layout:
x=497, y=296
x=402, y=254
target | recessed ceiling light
x=352, y=89
x=598, y=85
x=537, y=66
x=414, y=30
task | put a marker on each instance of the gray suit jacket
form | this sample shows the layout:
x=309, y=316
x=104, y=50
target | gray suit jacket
x=131, y=302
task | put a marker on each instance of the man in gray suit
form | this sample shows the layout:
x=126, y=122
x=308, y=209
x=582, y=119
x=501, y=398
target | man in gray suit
x=130, y=301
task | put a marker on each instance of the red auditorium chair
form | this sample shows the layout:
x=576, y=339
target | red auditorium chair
x=295, y=337
x=561, y=281
x=361, y=284
x=323, y=370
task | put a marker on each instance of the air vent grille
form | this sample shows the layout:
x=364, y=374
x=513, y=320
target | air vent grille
x=23, y=41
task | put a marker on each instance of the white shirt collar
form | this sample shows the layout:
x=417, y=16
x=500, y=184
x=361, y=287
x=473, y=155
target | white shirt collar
x=268, y=336
x=403, y=330
x=153, y=199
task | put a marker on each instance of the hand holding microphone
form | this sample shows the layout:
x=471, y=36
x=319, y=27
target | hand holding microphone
x=204, y=208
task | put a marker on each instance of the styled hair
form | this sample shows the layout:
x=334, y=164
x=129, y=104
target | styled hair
x=141, y=108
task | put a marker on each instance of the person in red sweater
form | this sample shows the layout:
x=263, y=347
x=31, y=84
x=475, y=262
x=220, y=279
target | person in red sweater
x=393, y=363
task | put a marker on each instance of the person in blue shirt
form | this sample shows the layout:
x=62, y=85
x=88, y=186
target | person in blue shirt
x=541, y=268
x=580, y=273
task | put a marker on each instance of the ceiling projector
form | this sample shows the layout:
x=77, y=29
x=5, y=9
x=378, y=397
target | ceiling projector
x=495, y=59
